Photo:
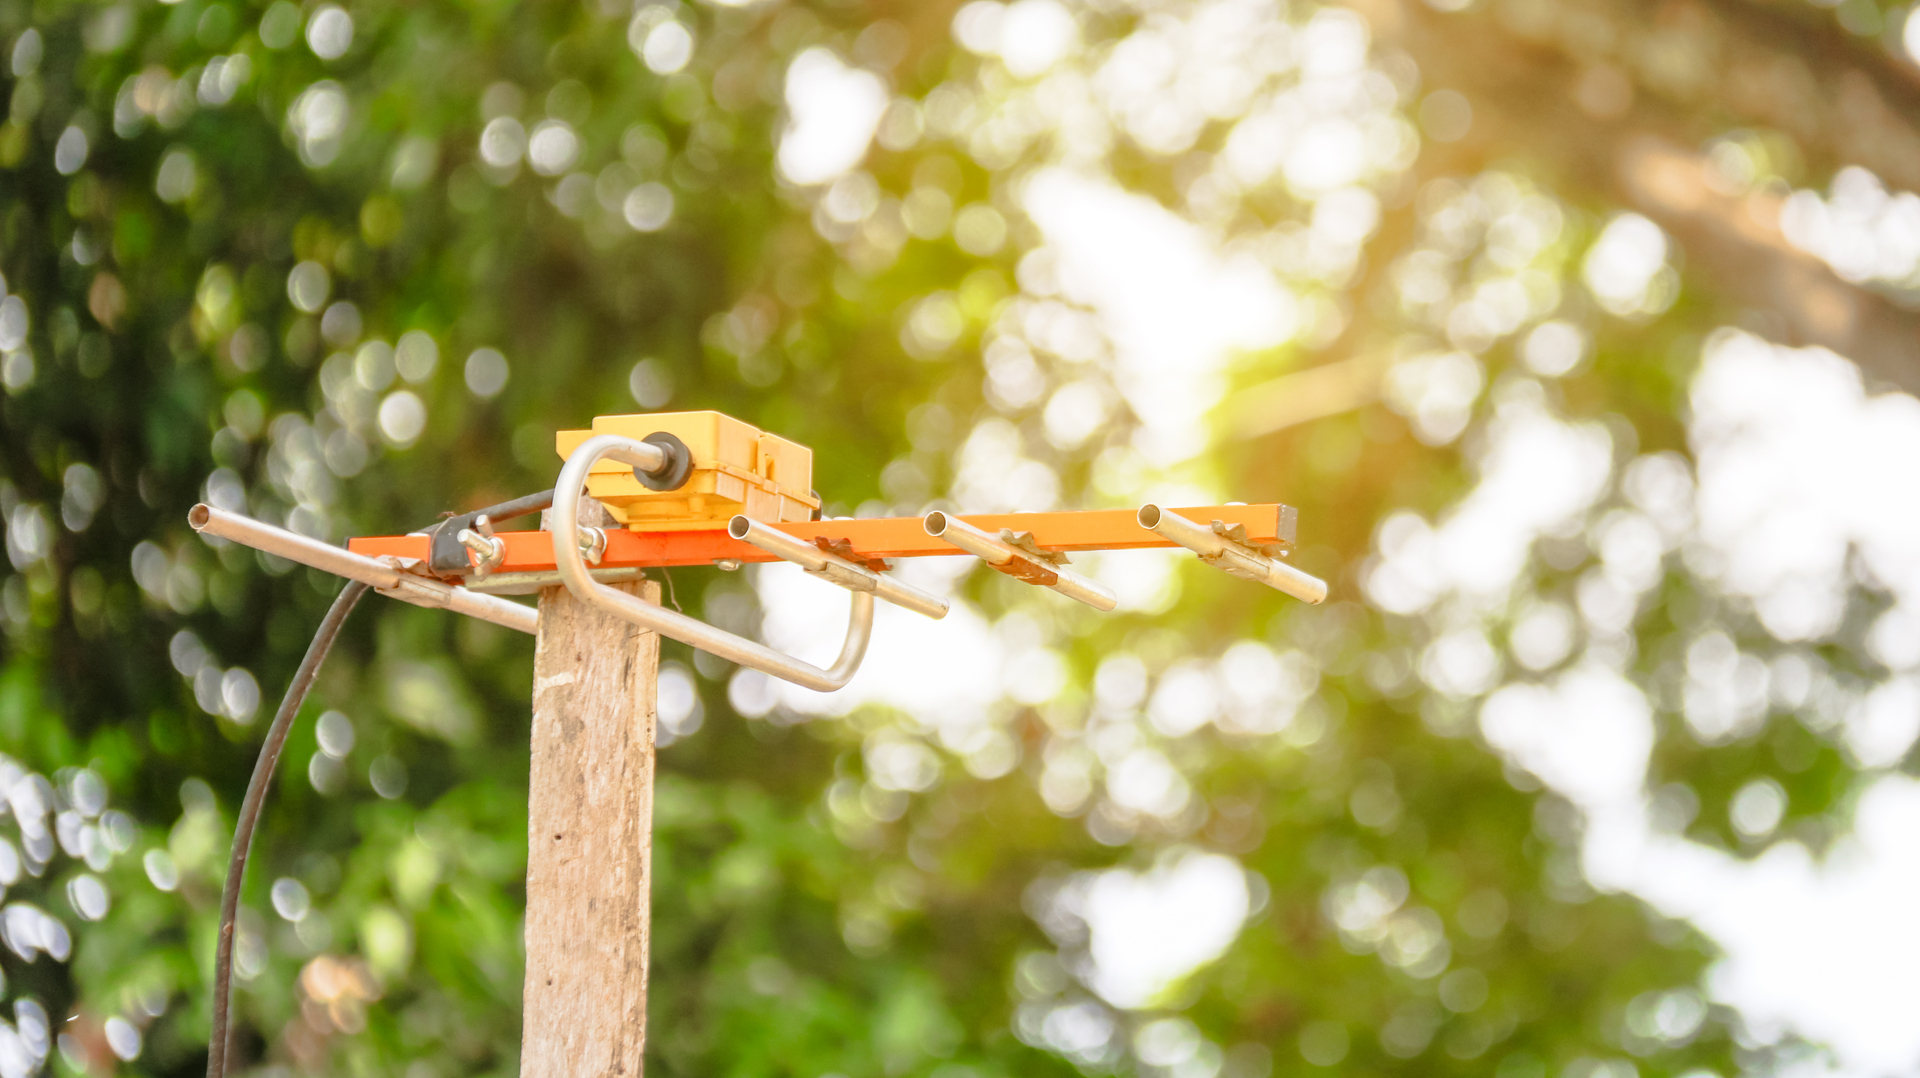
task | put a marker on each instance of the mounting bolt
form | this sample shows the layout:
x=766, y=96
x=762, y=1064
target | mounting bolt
x=593, y=544
x=727, y=565
x=489, y=550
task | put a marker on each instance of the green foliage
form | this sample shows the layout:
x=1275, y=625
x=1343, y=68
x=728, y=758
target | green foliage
x=221, y=291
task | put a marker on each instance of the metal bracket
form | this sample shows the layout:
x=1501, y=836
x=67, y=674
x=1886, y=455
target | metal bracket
x=446, y=554
x=842, y=548
x=1024, y=542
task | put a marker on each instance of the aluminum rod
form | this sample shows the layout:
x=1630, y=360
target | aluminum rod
x=1005, y=556
x=564, y=524
x=1231, y=557
x=292, y=546
x=642, y=455
x=836, y=569
x=386, y=579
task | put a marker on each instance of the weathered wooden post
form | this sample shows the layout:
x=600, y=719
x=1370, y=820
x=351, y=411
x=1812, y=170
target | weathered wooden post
x=589, y=837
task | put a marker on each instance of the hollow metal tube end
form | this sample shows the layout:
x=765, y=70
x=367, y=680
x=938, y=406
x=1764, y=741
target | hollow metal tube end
x=926, y=604
x=956, y=532
x=1305, y=587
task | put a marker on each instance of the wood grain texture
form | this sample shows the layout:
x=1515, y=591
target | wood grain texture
x=589, y=840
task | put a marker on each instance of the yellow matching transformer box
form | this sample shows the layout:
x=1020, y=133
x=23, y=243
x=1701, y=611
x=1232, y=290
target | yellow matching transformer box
x=737, y=468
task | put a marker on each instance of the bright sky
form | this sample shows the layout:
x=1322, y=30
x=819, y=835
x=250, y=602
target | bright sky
x=1175, y=309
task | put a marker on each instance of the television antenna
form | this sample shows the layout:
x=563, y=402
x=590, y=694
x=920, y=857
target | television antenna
x=647, y=491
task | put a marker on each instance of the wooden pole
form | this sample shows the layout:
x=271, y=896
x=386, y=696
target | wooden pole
x=589, y=840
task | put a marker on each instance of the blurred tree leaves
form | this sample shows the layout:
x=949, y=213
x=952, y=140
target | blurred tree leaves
x=345, y=268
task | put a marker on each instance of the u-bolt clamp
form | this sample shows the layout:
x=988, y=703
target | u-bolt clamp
x=652, y=460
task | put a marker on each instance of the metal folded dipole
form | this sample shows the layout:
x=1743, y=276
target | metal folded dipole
x=567, y=537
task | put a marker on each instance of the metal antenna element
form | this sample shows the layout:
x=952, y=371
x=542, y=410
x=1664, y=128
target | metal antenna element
x=836, y=569
x=1231, y=556
x=387, y=578
x=1018, y=563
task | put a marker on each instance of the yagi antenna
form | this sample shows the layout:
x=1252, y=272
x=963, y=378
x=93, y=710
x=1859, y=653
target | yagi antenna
x=701, y=488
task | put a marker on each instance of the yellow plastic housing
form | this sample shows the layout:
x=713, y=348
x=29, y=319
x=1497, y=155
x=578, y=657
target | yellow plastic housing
x=737, y=469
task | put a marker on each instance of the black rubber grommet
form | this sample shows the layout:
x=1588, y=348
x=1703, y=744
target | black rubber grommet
x=679, y=463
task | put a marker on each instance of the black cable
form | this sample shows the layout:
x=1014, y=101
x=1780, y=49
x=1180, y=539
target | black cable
x=519, y=507
x=249, y=818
